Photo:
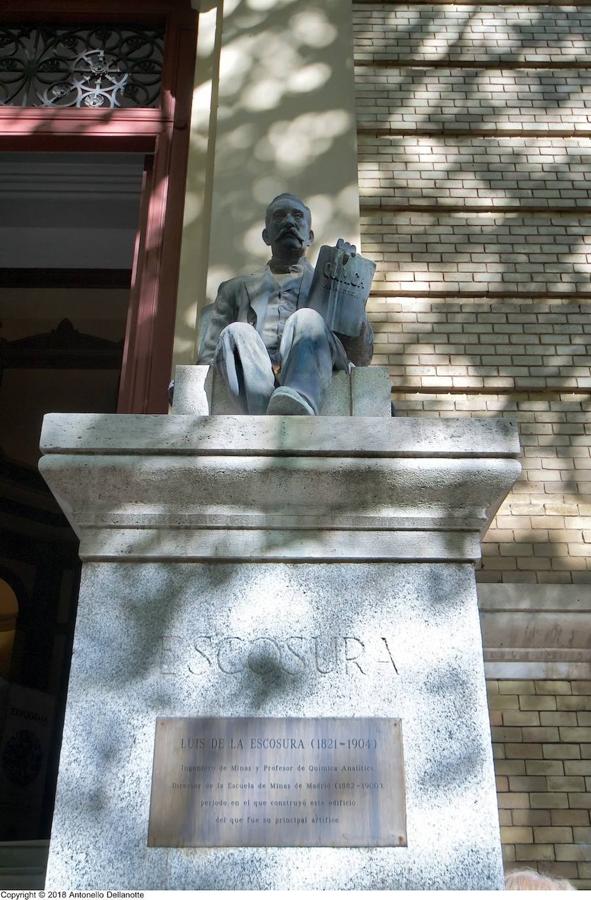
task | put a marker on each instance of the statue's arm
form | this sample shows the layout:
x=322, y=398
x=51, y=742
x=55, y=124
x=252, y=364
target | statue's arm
x=359, y=349
x=224, y=312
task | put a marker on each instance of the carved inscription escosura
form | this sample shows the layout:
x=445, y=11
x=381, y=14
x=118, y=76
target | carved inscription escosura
x=293, y=655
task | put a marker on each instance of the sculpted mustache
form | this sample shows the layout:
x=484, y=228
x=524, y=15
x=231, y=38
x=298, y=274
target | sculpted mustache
x=292, y=231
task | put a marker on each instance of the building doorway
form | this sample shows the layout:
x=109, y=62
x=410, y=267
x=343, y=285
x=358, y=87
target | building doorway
x=67, y=244
x=95, y=102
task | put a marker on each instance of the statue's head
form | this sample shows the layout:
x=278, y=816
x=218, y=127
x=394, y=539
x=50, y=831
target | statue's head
x=288, y=226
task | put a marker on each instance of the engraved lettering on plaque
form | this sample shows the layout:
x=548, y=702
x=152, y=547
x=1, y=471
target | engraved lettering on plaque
x=263, y=782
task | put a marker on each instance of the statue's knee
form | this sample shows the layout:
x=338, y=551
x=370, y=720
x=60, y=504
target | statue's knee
x=308, y=321
x=235, y=331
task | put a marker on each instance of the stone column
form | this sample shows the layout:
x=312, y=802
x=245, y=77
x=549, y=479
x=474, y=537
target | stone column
x=273, y=111
x=352, y=541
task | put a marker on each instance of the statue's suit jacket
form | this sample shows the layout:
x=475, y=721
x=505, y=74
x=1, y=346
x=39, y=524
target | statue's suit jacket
x=245, y=299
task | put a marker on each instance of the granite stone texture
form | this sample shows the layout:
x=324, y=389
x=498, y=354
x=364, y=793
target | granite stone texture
x=142, y=637
x=329, y=533
x=235, y=487
x=102, y=434
x=199, y=391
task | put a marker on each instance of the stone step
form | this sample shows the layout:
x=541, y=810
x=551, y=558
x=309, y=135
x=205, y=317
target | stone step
x=23, y=864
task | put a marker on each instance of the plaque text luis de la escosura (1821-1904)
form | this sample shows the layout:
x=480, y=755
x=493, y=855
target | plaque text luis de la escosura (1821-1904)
x=240, y=782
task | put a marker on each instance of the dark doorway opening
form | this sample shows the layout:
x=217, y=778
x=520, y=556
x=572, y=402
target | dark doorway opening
x=68, y=232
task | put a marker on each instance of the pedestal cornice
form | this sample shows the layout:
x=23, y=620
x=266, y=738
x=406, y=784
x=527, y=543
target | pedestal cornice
x=262, y=488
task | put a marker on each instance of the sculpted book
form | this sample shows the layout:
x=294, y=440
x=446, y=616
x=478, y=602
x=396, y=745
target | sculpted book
x=340, y=288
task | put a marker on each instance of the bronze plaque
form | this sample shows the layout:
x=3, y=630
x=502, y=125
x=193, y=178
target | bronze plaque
x=258, y=782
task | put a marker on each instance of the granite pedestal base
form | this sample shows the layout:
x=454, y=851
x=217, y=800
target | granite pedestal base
x=374, y=589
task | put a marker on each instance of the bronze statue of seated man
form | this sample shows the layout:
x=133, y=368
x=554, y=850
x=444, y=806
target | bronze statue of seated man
x=275, y=355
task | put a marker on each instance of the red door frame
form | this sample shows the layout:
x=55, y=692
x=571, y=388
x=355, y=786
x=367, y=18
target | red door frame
x=163, y=133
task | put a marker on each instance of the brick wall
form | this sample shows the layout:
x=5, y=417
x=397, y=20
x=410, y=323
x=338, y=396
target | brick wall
x=493, y=251
x=493, y=33
x=541, y=734
x=470, y=172
x=438, y=344
x=533, y=360
x=438, y=99
x=475, y=180
x=542, y=532
x=474, y=137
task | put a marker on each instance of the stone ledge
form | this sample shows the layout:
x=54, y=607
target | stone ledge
x=179, y=487
x=218, y=495
x=102, y=433
x=260, y=545
x=560, y=598
x=536, y=631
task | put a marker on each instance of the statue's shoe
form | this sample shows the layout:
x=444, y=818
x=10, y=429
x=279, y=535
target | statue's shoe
x=285, y=401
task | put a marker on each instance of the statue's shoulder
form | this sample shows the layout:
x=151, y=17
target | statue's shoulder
x=233, y=286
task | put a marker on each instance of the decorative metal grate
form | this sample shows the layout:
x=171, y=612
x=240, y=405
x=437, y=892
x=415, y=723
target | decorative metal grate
x=99, y=66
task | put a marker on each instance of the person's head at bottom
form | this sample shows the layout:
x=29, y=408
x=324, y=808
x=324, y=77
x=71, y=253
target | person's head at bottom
x=530, y=880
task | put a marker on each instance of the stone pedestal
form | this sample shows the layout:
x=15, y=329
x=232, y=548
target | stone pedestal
x=199, y=391
x=215, y=547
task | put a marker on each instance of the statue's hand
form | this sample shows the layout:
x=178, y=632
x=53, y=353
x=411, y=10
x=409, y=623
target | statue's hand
x=348, y=249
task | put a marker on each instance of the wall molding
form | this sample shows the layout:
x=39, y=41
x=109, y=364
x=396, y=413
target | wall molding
x=536, y=631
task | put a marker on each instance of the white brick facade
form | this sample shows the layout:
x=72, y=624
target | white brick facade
x=489, y=100
x=474, y=142
x=431, y=32
x=474, y=137
x=475, y=172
